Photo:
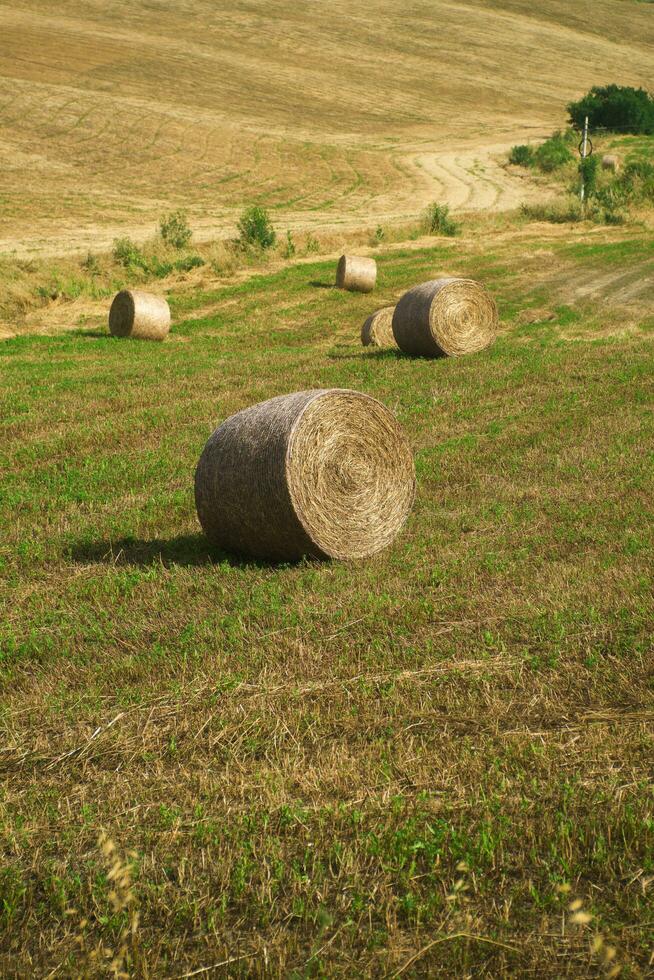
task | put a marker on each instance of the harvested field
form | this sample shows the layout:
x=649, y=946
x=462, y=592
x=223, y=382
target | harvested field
x=434, y=761
x=323, y=768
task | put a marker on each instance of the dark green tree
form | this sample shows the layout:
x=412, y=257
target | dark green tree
x=615, y=107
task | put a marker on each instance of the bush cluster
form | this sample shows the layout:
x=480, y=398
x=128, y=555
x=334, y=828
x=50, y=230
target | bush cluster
x=437, y=221
x=561, y=211
x=255, y=228
x=521, y=155
x=635, y=185
x=132, y=258
x=615, y=107
x=549, y=156
x=555, y=151
x=175, y=229
x=568, y=210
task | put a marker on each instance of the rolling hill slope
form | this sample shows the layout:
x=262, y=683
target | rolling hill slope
x=111, y=113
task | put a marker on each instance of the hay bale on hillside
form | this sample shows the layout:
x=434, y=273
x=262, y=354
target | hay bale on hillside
x=326, y=473
x=356, y=273
x=445, y=317
x=378, y=329
x=135, y=313
x=610, y=162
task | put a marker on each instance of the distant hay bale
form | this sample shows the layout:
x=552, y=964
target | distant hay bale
x=378, y=329
x=610, y=162
x=135, y=313
x=356, y=273
x=325, y=473
x=445, y=317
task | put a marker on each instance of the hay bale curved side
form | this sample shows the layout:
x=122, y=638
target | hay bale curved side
x=326, y=473
x=610, y=162
x=445, y=317
x=378, y=329
x=135, y=313
x=356, y=273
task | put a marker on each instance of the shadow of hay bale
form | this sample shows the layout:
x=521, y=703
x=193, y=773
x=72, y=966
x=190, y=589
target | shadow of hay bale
x=387, y=354
x=317, y=284
x=185, y=550
x=81, y=332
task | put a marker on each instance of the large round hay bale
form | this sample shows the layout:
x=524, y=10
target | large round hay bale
x=610, y=162
x=135, y=313
x=356, y=273
x=378, y=329
x=445, y=317
x=325, y=473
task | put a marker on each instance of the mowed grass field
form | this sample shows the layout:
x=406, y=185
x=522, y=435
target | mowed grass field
x=331, y=114
x=375, y=769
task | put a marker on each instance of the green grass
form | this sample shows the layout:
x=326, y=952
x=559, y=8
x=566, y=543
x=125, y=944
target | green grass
x=321, y=768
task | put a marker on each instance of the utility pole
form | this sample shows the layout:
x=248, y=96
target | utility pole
x=584, y=148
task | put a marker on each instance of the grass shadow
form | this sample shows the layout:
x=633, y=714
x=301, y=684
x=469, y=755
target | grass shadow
x=379, y=354
x=81, y=332
x=186, y=549
x=318, y=284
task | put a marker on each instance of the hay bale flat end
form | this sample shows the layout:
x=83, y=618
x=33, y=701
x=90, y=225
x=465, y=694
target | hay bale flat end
x=325, y=473
x=135, y=313
x=445, y=318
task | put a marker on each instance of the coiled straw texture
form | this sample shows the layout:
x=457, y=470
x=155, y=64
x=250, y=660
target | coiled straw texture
x=138, y=314
x=445, y=317
x=378, y=329
x=325, y=473
x=356, y=273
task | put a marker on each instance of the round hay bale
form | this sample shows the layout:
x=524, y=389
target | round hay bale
x=378, y=329
x=325, y=473
x=356, y=273
x=135, y=313
x=610, y=162
x=445, y=317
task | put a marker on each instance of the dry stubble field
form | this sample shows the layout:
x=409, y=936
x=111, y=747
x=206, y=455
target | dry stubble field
x=331, y=114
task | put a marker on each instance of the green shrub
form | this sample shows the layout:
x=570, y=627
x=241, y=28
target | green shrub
x=436, y=220
x=256, y=229
x=614, y=216
x=188, y=263
x=637, y=181
x=91, y=265
x=561, y=212
x=161, y=268
x=553, y=153
x=612, y=196
x=522, y=155
x=588, y=173
x=312, y=245
x=128, y=254
x=609, y=207
x=615, y=107
x=635, y=185
x=570, y=210
x=175, y=229
x=289, y=248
